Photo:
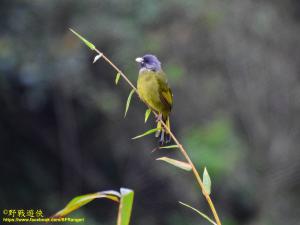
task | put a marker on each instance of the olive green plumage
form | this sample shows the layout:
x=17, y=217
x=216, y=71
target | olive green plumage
x=153, y=89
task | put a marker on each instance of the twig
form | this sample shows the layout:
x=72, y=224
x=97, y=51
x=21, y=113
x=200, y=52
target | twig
x=116, y=68
x=195, y=172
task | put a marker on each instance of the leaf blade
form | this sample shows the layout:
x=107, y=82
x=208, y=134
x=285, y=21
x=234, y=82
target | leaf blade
x=199, y=212
x=117, y=78
x=146, y=133
x=128, y=102
x=82, y=200
x=125, y=207
x=206, y=181
x=147, y=114
x=169, y=146
x=85, y=41
x=177, y=163
x=97, y=57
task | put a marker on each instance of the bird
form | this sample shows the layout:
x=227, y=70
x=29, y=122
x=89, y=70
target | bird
x=153, y=89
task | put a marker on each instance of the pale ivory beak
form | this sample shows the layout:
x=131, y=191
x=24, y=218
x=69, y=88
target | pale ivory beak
x=139, y=59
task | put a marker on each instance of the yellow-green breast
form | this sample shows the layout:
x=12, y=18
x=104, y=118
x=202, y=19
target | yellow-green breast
x=149, y=88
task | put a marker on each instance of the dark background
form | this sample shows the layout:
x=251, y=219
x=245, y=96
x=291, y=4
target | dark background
x=234, y=70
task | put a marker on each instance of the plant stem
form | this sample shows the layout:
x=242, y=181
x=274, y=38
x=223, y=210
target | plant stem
x=117, y=69
x=183, y=151
x=196, y=174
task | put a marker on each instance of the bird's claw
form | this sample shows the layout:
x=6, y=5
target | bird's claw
x=162, y=138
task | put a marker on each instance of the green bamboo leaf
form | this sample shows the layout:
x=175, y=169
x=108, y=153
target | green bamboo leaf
x=174, y=162
x=128, y=102
x=125, y=206
x=82, y=200
x=199, y=212
x=117, y=78
x=147, y=114
x=89, y=44
x=169, y=146
x=146, y=133
x=206, y=181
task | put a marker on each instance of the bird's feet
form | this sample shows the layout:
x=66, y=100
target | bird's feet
x=162, y=138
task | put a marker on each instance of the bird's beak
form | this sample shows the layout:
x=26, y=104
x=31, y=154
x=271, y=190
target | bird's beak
x=139, y=60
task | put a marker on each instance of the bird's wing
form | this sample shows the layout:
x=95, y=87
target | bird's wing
x=166, y=95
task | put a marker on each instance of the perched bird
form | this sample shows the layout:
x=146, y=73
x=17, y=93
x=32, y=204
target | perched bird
x=153, y=89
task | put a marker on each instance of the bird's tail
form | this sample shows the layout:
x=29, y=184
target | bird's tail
x=162, y=133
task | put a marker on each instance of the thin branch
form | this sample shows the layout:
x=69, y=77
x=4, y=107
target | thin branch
x=196, y=174
x=117, y=69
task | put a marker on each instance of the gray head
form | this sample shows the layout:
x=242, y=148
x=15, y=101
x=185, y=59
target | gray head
x=149, y=62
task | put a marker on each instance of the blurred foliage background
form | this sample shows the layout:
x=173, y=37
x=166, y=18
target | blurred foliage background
x=234, y=69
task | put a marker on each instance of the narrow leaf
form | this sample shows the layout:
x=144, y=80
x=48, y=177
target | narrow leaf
x=174, y=162
x=97, y=57
x=169, y=146
x=125, y=206
x=200, y=213
x=89, y=44
x=117, y=78
x=147, y=114
x=206, y=181
x=82, y=200
x=146, y=133
x=128, y=102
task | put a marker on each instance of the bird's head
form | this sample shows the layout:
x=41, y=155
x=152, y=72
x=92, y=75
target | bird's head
x=149, y=62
